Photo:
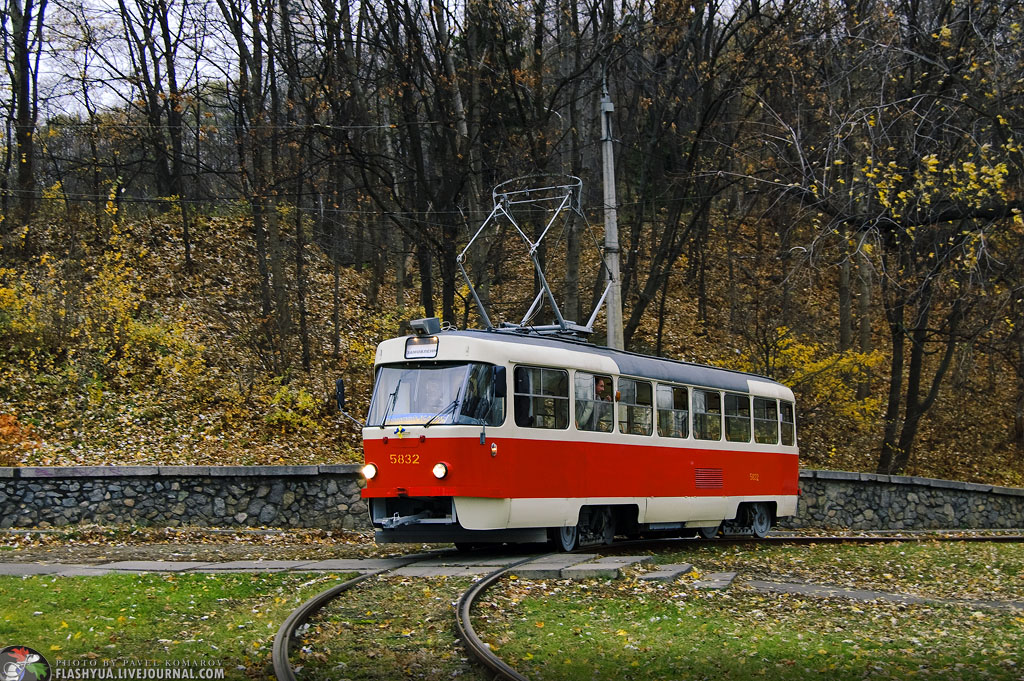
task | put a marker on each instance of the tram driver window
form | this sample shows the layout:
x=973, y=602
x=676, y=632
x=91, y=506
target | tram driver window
x=593, y=402
x=636, y=407
x=541, y=397
x=484, y=400
x=707, y=415
x=737, y=418
x=673, y=411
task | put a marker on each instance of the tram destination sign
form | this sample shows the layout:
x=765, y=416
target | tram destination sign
x=421, y=347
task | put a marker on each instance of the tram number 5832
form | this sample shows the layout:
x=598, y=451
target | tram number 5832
x=755, y=477
x=404, y=458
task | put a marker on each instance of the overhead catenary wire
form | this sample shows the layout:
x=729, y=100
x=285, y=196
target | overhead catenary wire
x=240, y=199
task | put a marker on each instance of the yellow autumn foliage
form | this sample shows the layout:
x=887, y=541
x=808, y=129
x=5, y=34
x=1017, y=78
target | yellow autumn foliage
x=971, y=182
x=821, y=376
x=93, y=322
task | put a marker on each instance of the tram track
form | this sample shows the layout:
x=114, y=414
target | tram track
x=481, y=652
x=286, y=632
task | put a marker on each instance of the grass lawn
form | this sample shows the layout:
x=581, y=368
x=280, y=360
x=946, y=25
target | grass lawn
x=967, y=570
x=611, y=631
x=627, y=629
x=229, y=618
x=394, y=628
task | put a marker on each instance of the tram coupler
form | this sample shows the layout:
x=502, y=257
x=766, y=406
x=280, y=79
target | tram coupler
x=397, y=520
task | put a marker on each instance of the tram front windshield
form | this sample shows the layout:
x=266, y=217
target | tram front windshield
x=436, y=394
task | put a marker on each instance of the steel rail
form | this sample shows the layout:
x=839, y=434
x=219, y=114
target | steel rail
x=901, y=538
x=464, y=625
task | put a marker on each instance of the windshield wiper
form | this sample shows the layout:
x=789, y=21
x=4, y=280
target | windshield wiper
x=450, y=407
x=392, y=398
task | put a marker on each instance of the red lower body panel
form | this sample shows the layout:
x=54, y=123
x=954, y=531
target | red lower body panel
x=539, y=469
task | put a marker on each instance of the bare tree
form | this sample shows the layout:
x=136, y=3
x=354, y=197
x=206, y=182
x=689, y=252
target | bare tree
x=23, y=23
x=905, y=148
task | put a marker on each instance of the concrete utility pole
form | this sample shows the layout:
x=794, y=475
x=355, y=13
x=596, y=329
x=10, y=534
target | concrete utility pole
x=611, y=225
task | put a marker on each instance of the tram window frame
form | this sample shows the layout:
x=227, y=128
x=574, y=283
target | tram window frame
x=635, y=417
x=736, y=407
x=703, y=417
x=676, y=421
x=554, y=414
x=593, y=414
x=766, y=426
x=787, y=427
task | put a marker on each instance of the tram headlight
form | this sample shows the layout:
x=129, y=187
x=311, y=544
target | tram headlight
x=369, y=471
x=440, y=470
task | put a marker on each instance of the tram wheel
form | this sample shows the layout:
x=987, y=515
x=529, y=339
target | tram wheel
x=709, y=532
x=760, y=520
x=567, y=538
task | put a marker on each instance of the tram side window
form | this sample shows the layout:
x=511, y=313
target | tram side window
x=636, y=407
x=737, y=418
x=541, y=398
x=788, y=425
x=673, y=411
x=707, y=415
x=766, y=421
x=593, y=402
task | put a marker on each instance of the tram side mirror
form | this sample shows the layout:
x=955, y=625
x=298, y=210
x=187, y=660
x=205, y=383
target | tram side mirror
x=339, y=394
x=500, y=388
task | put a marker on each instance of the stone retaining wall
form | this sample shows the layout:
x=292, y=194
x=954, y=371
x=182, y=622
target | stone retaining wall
x=865, y=501
x=169, y=496
x=328, y=497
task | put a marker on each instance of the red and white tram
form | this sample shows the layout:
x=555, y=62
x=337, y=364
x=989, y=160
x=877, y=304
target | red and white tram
x=505, y=436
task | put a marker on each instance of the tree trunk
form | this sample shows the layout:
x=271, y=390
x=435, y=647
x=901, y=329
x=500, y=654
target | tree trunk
x=1018, y=420
x=145, y=74
x=426, y=278
x=571, y=292
x=175, y=130
x=896, y=451
x=23, y=14
x=889, y=452
x=270, y=172
x=335, y=242
x=449, y=271
x=845, y=297
x=401, y=253
x=300, y=284
x=864, y=312
x=5, y=180
x=658, y=347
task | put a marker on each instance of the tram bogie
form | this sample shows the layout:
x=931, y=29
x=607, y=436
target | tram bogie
x=490, y=436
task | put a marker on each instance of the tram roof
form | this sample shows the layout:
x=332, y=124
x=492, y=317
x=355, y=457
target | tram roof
x=632, y=363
